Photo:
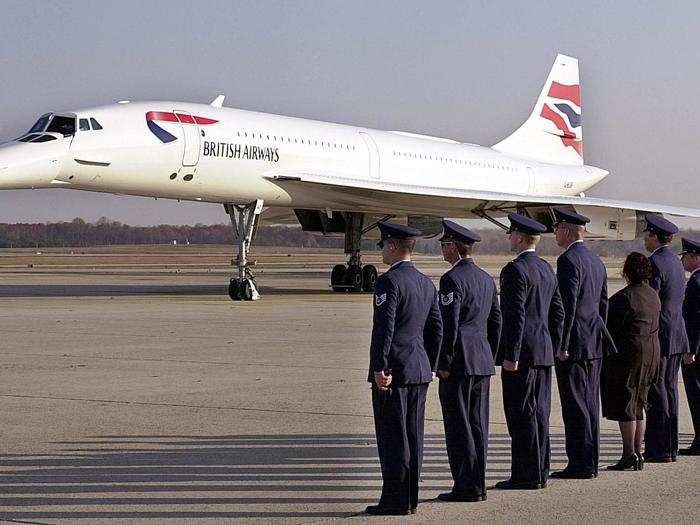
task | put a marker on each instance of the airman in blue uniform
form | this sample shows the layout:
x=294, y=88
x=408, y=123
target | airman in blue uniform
x=690, y=257
x=668, y=279
x=533, y=317
x=406, y=339
x=583, y=287
x=471, y=321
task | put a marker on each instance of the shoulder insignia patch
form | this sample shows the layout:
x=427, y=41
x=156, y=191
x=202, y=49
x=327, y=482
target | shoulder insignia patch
x=446, y=299
x=380, y=299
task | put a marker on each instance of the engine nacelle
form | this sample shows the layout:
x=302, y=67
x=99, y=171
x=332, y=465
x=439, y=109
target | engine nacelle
x=615, y=224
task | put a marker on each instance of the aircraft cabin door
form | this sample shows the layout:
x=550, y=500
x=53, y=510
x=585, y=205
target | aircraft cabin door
x=190, y=132
x=530, y=180
x=373, y=153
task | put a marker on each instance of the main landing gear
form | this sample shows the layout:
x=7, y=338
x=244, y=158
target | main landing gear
x=353, y=277
x=244, y=219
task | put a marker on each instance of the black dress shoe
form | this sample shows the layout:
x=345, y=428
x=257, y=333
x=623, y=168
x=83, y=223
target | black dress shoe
x=456, y=496
x=690, y=451
x=572, y=474
x=413, y=510
x=632, y=462
x=378, y=510
x=519, y=485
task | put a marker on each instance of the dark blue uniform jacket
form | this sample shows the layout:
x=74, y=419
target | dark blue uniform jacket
x=407, y=330
x=669, y=281
x=471, y=320
x=691, y=313
x=533, y=314
x=584, y=292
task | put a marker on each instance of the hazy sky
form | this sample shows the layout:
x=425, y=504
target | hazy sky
x=470, y=71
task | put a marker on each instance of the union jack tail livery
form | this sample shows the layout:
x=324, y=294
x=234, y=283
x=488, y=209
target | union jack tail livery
x=554, y=132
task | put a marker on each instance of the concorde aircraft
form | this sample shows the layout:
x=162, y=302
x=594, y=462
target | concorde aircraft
x=331, y=178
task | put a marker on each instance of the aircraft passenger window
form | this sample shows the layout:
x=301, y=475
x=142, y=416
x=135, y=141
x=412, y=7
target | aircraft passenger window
x=44, y=138
x=40, y=124
x=84, y=124
x=63, y=125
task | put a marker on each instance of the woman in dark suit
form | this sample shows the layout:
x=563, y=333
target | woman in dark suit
x=633, y=322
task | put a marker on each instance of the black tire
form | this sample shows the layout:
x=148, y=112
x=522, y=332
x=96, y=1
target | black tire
x=338, y=277
x=353, y=279
x=247, y=290
x=369, y=278
x=234, y=290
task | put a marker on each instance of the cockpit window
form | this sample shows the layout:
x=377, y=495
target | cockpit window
x=84, y=124
x=95, y=125
x=36, y=137
x=63, y=125
x=43, y=138
x=40, y=124
x=28, y=138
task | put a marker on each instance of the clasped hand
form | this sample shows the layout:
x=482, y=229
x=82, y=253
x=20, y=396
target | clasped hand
x=383, y=380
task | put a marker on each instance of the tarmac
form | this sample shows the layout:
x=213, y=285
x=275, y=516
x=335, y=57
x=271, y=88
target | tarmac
x=132, y=390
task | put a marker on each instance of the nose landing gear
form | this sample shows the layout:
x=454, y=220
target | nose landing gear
x=244, y=219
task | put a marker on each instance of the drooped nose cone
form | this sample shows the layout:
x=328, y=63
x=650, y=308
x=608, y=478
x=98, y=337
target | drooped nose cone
x=27, y=166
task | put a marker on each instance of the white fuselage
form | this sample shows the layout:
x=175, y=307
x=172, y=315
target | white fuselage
x=227, y=161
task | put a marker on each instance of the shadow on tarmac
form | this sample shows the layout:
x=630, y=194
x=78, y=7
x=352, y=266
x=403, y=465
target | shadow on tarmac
x=125, y=290
x=270, y=472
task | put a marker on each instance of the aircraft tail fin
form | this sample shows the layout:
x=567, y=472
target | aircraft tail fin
x=553, y=133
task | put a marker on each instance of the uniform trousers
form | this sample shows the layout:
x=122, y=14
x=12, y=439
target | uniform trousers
x=527, y=399
x=661, y=435
x=579, y=392
x=465, y=413
x=399, y=416
x=691, y=380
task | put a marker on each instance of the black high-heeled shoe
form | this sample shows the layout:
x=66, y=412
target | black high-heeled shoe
x=628, y=463
x=640, y=462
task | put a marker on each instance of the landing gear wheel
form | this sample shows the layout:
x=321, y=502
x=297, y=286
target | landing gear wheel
x=243, y=290
x=247, y=288
x=353, y=279
x=338, y=278
x=369, y=278
x=234, y=290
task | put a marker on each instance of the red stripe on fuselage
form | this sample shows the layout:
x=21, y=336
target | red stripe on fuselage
x=179, y=117
x=562, y=91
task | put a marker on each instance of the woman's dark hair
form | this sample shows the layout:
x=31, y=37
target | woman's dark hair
x=637, y=268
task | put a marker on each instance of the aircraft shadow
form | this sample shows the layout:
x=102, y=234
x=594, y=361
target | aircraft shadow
x=125, y=290
x=261, y=475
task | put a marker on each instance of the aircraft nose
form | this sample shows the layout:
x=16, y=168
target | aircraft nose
x=21, y=168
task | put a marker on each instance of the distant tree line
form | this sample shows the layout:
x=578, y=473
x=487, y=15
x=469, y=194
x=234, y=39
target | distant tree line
x=79, y=233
